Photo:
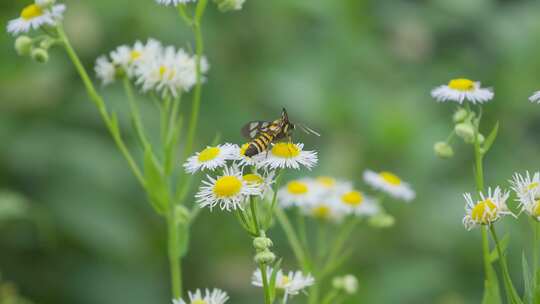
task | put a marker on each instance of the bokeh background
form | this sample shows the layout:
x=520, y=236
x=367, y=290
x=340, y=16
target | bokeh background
x=75, y=227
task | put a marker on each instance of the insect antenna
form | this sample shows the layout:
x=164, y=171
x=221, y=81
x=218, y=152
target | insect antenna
x=308, y=130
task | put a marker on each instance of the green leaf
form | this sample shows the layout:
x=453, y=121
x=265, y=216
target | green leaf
x=528, y=288
x=492, y=294
x=494, y=255
x=272, y=281
x=490, y=139
x=183, y=239
x=156, y=185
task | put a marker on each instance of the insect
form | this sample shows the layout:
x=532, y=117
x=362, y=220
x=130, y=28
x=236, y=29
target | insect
x=262, y=133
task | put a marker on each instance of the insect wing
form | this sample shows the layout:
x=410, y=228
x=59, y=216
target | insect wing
x=253, y=128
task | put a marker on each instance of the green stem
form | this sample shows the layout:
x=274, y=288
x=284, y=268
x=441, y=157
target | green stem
x=174, y=257
x=110, y=121
x=253, y=207
x=199, y=49
x=511, y=292
x=292, y=238
x=266, y=286
x=536, y=227
x=135, y=113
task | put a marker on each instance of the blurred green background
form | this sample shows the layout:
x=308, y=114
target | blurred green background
x=359, y=71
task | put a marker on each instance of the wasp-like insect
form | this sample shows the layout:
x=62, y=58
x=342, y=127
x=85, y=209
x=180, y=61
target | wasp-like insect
x=263, y=133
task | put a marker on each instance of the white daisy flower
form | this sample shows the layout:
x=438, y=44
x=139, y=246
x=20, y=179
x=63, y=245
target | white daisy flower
x=210, y=158
x=216, y=296
x=329, y=183
x=356, y=202
x=105, y=70
x=35, y=16
x=129, y=57
x=263, y=181
x=389, y=183
x=229, y=191
x=325, y=209
x=527, y=190
x=173, y=2
x=245, y=160
x=462, y=89
x=290, y=284
x=487, y=210
x=287, y=155
x=171, y=71
x=298, y=193
x=535, y=97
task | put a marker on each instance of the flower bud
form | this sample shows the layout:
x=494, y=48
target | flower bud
x=40, y=55
x=265, y=257
x=460, y=115
x=382, y=220
x=262, y=243
x=23, y=45
x=350, y=284
x=229, y=5
x=443, y=149
x=465, y=131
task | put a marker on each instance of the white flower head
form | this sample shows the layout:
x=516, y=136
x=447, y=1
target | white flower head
x=328, y=183
x=291, y=283
x=173, y=2
x=34, y=16
x=230, y=191
x=527, y=190
x=389, y=183
x=215, y=296
x=347, y=283
x=287, y=155
x=211, y=158
x=535, y=97
x=356, y=202
x=169, y=71
x=487, y=210
x=325, y=209
x=299, y=193
x=462, y=89
x=262, y=180
x=105, y=70
x=244, y=160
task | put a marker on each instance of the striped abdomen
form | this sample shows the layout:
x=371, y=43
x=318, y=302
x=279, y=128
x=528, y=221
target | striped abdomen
x=259, y=144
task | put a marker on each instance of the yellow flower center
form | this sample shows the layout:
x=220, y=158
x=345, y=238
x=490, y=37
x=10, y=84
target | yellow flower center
x=536, y=210
x=208, y=154
x=199, y=301
x=390, y=178
x=353, y=198
x=136, y=55
x=31, y=11
x=321, y=212
x=326, y=181
x=461, y=84
x=296, y=187
x=244, y=148
x=484, y=212
x=285, y=280
x=532, y=185
x=227, y=186
x=285, y=150
x=253, y=179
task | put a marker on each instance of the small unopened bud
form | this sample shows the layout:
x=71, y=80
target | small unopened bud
x=262, y=243
x=382, y=220
x=229, y=5
x=465, y=131
x=443, y=149
x=40, y=55
x=350, y=284
x=460, y=115
x=23, y=45
x=265, y=257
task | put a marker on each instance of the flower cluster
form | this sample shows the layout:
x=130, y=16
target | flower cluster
x=527, y=191
x=331, y=199
x=238, y=176
x=290, y=284
x=153, y=66
x=37, y=15
x=215, y=296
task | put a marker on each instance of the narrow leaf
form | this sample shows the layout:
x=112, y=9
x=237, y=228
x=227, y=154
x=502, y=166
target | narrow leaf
x=528, y=288
x=491, y=138
x=155, y=182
